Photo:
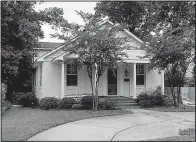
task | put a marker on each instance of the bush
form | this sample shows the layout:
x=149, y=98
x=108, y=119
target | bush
x=168, y=100
x=28, y=100
x=66, y=103
x=146, y=100
x=156, y=100
x=143, y=96
x=87, y=102
x=3, y=90
x=160, y=100
x=77, y=106
x=16, y=97
x=145, y=103
x=49, y=103
x=111, y=105
x=189, y=131
x=102, y=103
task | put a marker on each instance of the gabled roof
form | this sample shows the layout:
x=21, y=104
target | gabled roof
x=128, y=32
x=56, y=49
x=101, y=23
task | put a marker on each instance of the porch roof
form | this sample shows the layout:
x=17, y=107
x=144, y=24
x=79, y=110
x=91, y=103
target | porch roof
x=134, y=56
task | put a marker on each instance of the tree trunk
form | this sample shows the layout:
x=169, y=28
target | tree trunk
x=173, y=95
x=96, y=95
x=178, y=95
x=92, y=93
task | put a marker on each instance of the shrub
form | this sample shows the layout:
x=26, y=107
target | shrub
x=102, y=103
x=143, y=96
x=87, y=102
x=77, y=106
x=146, y=100
x=66, y=103
x=16, y=97
x=189, y=131
x=28, y=100
x=145, y=103
x=153, y=100
x=49, y=103
x=3, y=90
x=111, y=105
x=168, y=100
x=160, y=100
x=156, y=100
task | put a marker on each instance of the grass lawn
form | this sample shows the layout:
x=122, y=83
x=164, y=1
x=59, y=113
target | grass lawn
x=176, y=138
x=19, y=124
x=173, y=109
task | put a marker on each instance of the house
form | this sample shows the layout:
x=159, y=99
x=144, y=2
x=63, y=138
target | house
x=54, y=78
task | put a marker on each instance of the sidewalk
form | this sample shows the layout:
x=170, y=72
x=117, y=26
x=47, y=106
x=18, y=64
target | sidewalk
x=141, y=125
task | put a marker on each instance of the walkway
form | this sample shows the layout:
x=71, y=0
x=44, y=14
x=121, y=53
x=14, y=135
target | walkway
x=141, y=125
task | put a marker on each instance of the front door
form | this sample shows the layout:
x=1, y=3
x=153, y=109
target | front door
x=112, y=82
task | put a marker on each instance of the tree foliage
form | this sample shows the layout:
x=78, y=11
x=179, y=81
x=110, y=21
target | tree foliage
x=143, y=17
x=172, y=46
x=123, y=12
x=21, y=29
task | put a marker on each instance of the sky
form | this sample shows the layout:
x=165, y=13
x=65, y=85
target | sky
x=69, y=14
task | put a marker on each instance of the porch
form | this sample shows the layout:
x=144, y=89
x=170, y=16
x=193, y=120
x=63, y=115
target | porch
x=130, y=80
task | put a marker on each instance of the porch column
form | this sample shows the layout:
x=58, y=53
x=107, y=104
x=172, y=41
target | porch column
x=134, y=80
x=62, y=80
x=130, y=85
x=162, y=82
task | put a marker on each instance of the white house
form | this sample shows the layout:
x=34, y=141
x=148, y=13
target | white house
x=54, y=78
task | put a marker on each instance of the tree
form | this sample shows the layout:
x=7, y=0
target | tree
x=143, y=17
x=173, y=51
x=124, y=12
x=21, y=29
x=96, y=47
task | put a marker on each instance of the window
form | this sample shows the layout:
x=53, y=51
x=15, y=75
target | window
x=139, y=74
x=71, y=75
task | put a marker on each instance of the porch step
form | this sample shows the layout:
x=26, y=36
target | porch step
x=128, y=107
x=126, y=104
x=123, y=102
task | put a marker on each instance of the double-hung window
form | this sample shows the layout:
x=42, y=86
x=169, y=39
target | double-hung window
x=71, y=75
x=139, y=74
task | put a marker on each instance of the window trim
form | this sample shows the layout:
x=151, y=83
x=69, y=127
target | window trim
x=70, y=75
x=144, y=74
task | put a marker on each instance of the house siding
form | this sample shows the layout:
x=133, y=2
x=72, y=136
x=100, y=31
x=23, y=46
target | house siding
x=153, y=78
x=51, y=80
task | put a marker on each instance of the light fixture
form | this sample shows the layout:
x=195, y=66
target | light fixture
x=126, y=73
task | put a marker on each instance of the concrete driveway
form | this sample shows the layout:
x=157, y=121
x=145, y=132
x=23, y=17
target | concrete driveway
x=141, y=125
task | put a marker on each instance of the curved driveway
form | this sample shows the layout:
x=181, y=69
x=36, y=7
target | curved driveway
x=141, y=125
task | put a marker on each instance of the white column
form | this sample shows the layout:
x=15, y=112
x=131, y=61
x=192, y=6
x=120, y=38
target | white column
x=130, y=85
x=134, y=80
x=162, y=82
x=62, y=80
x=65, y=79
